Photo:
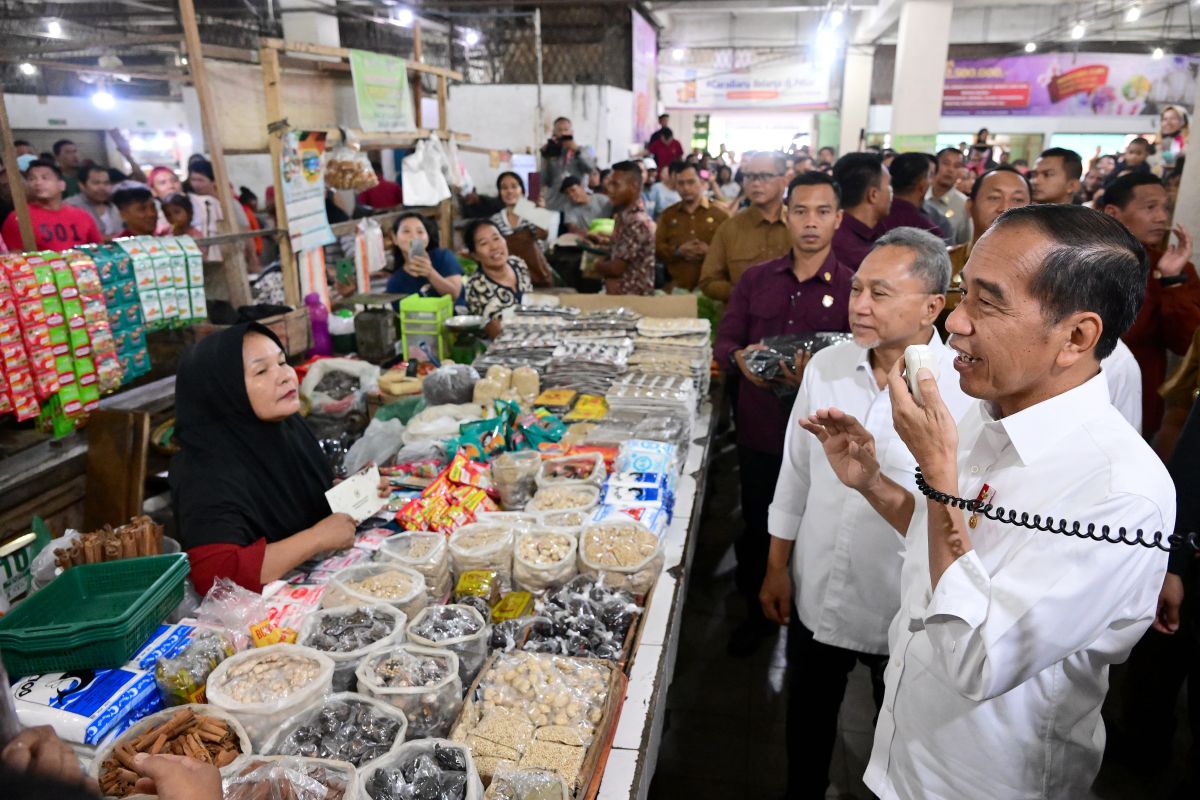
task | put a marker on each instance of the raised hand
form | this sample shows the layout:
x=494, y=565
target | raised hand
x=849, y=447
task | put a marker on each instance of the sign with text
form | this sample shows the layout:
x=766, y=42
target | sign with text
x=1069, y=84
x=381, y=92
x=758, y=84
x=302, y=166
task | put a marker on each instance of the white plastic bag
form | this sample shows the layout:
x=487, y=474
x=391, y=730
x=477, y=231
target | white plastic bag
x=484, y=545
x=411, y=750
x=466, y=635
x=544, y=558
x=462, y=181
x=346, y=662
x=278, y=743
x=261, y=718
x=437, y=423
x=422, y=179
x=322, y=403
x=370, y=256
x=379, y=444
x=430, y=708
x=427, y=553
x=340, y=592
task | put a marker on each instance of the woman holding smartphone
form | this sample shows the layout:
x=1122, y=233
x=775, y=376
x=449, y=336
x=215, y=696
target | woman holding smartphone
x=422, y=267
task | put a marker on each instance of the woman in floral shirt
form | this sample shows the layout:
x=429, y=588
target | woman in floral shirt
x=501, y=280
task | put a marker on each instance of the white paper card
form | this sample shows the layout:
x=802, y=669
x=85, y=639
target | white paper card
x=357, y=496
x=544, y=218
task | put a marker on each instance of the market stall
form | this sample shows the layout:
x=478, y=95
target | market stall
x=504, y=624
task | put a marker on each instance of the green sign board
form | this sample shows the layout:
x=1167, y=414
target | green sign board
x=381, y=92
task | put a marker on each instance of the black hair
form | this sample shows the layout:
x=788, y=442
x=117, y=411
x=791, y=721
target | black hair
x=201, y=166
x=1072, y=163
x=47, y=163
x=664, y=116
x=1095, y=265
x=630, y=167
x=724, y=166
x=430, y=229
x=181, y=201
x=945, y=150
x=59, y=145
x=827, y=147
x=1120, y=191
x=907, y=171
x=22, y=143
x=86, y=171
x=245, y=196
x=520, y=181
x=130, y=195
x=472, y=230
x=813, y=178
x=1144, y=142
x=569, y=182
x=855, y=173
x=561, y=119
x=1002, y=168
x=676, y=167
x=666, y=132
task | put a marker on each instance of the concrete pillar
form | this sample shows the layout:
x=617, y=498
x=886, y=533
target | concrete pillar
x=303, y=24
x=856, y=95
x=922, y=47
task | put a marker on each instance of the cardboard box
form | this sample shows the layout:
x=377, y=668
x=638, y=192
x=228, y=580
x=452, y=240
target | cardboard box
x=665, y=305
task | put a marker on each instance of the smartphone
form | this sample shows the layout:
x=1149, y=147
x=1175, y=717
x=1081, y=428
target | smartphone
x=345, y=270
x=417, y=248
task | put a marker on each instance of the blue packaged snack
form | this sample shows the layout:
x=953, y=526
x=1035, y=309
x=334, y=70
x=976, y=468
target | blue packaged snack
x=167, y=641
x=85, y=706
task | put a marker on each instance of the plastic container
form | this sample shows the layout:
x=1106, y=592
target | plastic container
x=412, y=749
x=339, y=593
x=146, y=723
x=93, y=616
x=579, y=497
x=318, y=315
x=345, y=662
x=290, y=777
x=262, y=718
x=430, y=709
x=425, y=552
x=514, y=475
x=279, y=739
x=586, y=468
x=535, y=568
x=470, y=647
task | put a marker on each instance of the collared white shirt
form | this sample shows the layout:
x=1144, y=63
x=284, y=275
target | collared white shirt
x=996, y=678
x=1124, y=378
x=846, y=561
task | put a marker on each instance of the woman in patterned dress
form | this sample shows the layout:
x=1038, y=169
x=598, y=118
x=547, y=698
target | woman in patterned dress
x=501, y=281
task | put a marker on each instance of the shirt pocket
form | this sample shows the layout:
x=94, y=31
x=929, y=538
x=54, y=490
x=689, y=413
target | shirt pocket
x=769, y=305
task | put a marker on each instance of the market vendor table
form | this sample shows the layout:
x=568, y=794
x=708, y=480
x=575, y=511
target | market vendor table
x=634, y=755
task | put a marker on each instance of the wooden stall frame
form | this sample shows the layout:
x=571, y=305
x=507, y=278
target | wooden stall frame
x=15, y=182
x=272, y=66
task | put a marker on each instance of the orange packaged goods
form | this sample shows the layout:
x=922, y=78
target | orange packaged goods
x=452, y=500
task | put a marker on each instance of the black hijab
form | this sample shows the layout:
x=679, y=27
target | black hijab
x=237, y=478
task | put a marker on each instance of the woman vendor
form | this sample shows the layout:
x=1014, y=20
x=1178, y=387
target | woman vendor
x=249, y=482
x=501, y=280
x=511, y=189
x=435, y=271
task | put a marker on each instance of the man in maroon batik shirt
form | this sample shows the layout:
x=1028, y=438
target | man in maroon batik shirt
x=866, y=188
x=910, y=182
x=805, y=291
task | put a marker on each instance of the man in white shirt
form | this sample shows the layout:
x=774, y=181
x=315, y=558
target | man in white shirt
x=845, y=559
x=1001, y=649
x=663, y=194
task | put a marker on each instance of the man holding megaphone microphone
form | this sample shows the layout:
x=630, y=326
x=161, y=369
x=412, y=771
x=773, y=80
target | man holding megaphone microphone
x=1001, y=648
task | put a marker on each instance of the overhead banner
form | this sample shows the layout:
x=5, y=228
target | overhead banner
x=645, y=78
x=1069, y=84
x=302, y=166
x=790, y=83
x=381, y=92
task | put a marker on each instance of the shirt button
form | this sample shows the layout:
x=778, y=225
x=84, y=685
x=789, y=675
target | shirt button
x=974, y=470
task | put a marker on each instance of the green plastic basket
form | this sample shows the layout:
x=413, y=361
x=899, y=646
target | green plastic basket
x=93, y=616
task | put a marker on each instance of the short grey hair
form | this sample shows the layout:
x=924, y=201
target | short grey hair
x=931, y=264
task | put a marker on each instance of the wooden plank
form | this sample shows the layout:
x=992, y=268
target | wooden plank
x=115, y=495
x=443, y=98
x=445, y=217
x=15, y=182
x=341, y=52
x=269, y=57
x=161, y=75
x=418, y=56
x=233, y=264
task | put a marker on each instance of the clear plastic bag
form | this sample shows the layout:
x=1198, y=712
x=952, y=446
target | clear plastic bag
x=422, y=682
x=517, y=783
x=449, y=385
x=379, y=582
x=625, y=553
x=585, y=618
x=343, y=393
x=572, y=471
x=234, y=609
x=485, y=546
x=297, y=678
x=380, y=443
x=572, y=497
x=515, y=476
x=182, y=679
x=424, y=552
x=543, y=559
x=445, y=767
x=348, y=633
x=345, y=727
x=291, y=778
x=348, y=167
x=456, y=627
x=438, y=423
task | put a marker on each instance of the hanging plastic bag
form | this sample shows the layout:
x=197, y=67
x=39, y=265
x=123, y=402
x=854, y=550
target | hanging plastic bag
x=422, y=179
x=349, y=168
x=464, y=183
x=379, y=444
x=370, y=255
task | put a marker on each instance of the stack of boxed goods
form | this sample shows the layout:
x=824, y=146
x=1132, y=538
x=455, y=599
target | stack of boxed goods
x=170, y=279
x=115, y=268
x=65, y=356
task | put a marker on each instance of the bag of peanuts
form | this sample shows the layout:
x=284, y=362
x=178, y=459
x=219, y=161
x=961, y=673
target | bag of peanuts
x=291, y=778
x=422, y=682
x=625, y=554
x=425, y=552
x=484, y=546
x=380, y=582
x=262, y=688
x=543, y=558
x=347, y=633
x=581, y=497
x=198, y=731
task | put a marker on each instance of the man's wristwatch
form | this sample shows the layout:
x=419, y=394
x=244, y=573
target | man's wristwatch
x=1173, y=280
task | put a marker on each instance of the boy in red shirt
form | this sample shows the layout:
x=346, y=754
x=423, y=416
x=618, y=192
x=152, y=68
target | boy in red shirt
x=55, y=226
